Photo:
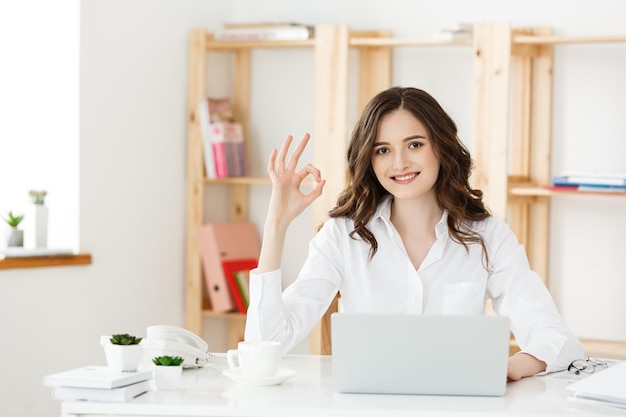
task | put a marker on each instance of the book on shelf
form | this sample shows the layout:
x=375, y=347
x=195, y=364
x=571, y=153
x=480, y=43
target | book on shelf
x=95, y=377
x=237, y=273
x=590, y=178
x=261, y=24
x=589, y=188
x=264, y=32
x=213, y=110
x=225, y=244
x=207, y=147
x=228, y=149
x=120, y=394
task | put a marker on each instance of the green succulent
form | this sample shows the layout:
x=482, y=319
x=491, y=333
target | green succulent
x=168, y=360
x=38, y=196
x=124, y=339
x=13, y=220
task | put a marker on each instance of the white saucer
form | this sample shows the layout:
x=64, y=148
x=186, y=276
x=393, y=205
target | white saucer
x=281, y=376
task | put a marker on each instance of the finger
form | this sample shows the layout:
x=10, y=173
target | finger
x=311, y=170
x=270, y=164
x=295, y=157
x=315, y=192
x=282, y=155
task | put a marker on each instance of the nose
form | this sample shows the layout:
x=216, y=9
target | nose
x=400, y=161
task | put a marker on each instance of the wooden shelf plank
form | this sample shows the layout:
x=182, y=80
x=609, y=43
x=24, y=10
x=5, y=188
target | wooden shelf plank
x=233, y=315
x=239, y=180
x=212, y=45
x=614, y=349
x=545, y=192
x=408, y=42
x=43, y=261
x=560, y=40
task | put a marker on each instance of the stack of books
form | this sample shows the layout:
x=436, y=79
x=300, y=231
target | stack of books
x=222, y=139
x=590, y=181
x=98, y=383
x=459, y=31
x=264, y=31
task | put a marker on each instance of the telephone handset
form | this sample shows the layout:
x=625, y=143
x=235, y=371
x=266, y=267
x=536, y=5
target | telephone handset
x=176, y=341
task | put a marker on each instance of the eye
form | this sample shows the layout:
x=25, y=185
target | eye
x=415, y=145
x=380, y=151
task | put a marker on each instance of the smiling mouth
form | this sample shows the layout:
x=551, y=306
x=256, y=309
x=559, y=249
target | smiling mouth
x=405, y=177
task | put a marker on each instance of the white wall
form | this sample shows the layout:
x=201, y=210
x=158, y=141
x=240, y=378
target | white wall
x=132, y=166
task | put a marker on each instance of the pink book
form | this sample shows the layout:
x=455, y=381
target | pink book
x=220, y=242
x=219, y=150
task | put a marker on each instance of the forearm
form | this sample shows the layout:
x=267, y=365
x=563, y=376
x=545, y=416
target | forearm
x=522, y=365
x=272, y=246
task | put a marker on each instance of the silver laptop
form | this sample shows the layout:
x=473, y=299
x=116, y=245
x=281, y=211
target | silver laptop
x=420, y=354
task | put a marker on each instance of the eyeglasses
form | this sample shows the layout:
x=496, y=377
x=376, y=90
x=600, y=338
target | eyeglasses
x=587, y=366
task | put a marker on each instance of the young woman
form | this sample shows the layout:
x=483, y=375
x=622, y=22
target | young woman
x=408, y=235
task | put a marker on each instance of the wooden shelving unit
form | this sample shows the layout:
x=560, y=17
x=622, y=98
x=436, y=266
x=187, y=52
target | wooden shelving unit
x=513, y=70
x=329, y=47
x=512, y=77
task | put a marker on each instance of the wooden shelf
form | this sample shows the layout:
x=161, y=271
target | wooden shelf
x=561, y=40
x=408, y=42
x=330, y=52
x=238, y=180
x=605, y=348
x=233, y=315
x=546, y=192
x=212, y=45
x=44, y=261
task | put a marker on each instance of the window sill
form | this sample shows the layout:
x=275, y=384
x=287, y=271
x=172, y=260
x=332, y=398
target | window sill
x=43, y=261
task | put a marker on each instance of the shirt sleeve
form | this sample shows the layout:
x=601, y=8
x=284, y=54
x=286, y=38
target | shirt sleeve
x=289, y=316
x=519, y=293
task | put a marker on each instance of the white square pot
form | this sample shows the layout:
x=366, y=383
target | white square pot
x=123, y=357
x=167, y=377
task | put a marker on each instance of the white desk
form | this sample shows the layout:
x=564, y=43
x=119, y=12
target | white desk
x=206, y=392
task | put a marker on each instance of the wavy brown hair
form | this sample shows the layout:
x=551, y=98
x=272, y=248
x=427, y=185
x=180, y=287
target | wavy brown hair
x=363, y=193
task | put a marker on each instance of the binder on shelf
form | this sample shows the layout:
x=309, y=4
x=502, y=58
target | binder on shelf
x=237, y=274
x=220, y=243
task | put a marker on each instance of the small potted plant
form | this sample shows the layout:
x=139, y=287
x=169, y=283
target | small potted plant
x=123, y=351
x=168, y=372
x=16, y=238
x=37, y=219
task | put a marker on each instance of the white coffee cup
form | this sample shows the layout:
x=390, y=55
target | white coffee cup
x=256, y=359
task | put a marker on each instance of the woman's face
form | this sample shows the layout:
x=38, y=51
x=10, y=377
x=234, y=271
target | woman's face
x=403, y=157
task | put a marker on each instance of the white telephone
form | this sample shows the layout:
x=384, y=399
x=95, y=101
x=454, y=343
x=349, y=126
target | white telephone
x=175, y=341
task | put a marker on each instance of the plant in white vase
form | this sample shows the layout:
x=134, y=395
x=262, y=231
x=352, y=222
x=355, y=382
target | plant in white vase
x=16, y=237
x=37, y=224
x=123, y=352
x=168, y=372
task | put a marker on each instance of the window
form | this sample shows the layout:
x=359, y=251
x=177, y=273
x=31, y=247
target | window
x=39, y=102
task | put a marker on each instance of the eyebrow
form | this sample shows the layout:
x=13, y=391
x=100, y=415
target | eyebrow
x=408, y=138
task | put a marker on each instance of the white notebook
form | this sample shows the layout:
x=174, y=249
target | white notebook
x=607, y=386
x=95, y=377
x=420, y=354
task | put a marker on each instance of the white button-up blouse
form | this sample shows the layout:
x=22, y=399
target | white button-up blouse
x=450, y=280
